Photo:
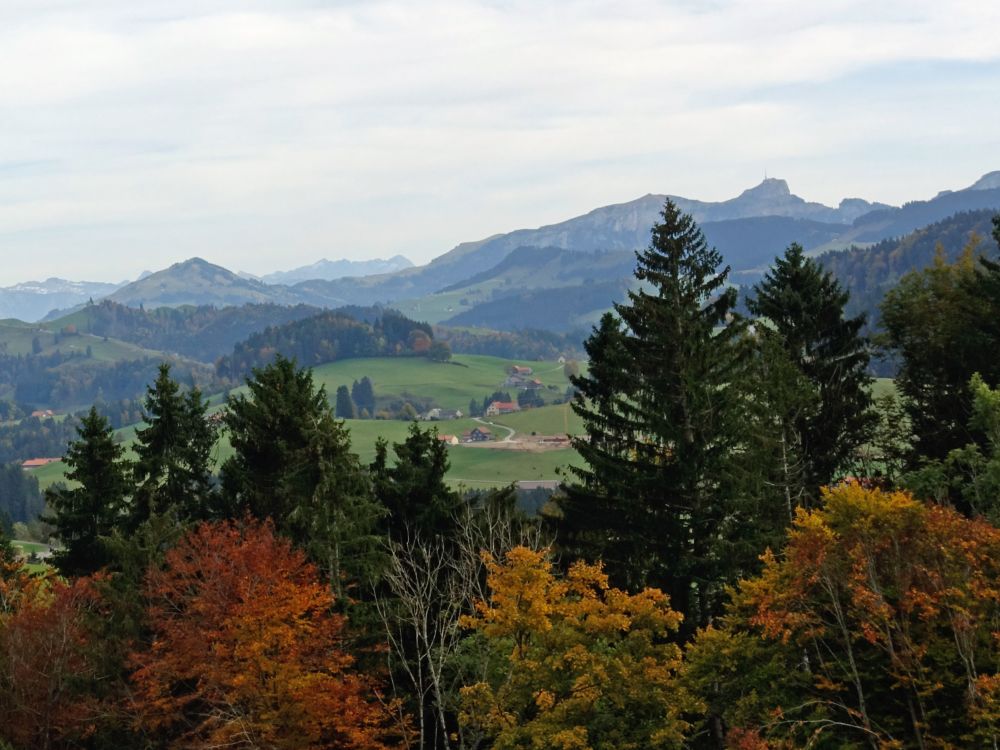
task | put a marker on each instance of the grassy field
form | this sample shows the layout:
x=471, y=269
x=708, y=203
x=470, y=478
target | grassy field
x=19, y=338
x=26, y=548
x=433, y=308
x=451, y=386
x=548, y=420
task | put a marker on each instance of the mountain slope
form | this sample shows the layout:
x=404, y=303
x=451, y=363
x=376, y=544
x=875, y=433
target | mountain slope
x=198, y=282
x=33, y=300
x=885, y=224
x=329, y=270
x=619, y=227
x=869, y=272
x=204, y=333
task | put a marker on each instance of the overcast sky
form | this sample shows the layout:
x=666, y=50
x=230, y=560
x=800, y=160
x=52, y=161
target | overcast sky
x=265, y=135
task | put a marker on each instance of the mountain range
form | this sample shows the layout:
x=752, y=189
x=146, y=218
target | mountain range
x=31, y=300
x=337, y=269
x=468, y=284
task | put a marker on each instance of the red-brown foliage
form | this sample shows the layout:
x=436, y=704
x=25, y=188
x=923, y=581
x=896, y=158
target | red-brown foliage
x=246, y=652
x=45, y=665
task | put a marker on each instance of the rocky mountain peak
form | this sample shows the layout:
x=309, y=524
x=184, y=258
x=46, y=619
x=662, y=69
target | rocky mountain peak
x=989, y=181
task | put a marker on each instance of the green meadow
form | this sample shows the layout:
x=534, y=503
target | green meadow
x=450, y=386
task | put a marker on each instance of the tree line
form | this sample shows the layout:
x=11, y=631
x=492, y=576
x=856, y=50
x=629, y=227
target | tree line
x=755, y=553
x=327, y=337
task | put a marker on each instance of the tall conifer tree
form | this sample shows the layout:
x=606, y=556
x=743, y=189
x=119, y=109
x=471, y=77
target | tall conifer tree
x=804, y=309
x=86, y=515
x=173, y=468
x=413, y=490
x=346, y=408
x=660, y=412
x=293, y=464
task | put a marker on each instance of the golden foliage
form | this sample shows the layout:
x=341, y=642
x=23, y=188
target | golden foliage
x=588, y=665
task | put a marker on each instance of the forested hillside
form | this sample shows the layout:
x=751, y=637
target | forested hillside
x=869, y=272
x=204, y=333
x=327, y=337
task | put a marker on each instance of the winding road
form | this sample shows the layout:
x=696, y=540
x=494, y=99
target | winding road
x=510, y=430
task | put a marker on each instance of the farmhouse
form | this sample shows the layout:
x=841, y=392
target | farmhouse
x=42, y=413
x=477, y=435
x=497, y=408
x=522, y=382
x=34, y=463
x=518, y=370
x=448, y=439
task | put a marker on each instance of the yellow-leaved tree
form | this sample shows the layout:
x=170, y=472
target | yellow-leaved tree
x=584, y=666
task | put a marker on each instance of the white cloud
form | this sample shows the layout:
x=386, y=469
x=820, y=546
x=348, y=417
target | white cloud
x=265, y=134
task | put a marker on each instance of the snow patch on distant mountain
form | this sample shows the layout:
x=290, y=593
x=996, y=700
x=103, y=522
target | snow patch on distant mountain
x=33, y=300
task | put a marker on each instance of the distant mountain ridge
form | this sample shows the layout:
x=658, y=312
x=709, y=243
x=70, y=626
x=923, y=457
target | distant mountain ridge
x=198, y=282
x=337, y=269
x=596, y=247
x=32, y=300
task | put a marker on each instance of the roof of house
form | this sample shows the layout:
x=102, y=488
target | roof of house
x=34, y=463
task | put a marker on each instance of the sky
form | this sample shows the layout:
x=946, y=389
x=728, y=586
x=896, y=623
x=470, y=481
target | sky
x=264, y=135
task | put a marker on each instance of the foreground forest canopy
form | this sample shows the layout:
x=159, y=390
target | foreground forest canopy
x=756, y=553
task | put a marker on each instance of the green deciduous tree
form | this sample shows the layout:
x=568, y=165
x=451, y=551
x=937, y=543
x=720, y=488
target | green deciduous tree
x=86, y=515
x=968, y=477
x=803, y=307
x=941, y=323
x=439, y=351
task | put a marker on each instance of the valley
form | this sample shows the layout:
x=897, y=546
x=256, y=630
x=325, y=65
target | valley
x=449, y=386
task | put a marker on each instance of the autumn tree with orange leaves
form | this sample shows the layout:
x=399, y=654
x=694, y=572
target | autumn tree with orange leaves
x=246, y=651
x=587, y=665
x=878, y=626
x=47, y=668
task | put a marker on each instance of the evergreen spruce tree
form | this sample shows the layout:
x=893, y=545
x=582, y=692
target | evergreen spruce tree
x=345, y=408
x=86, y=515
x=292, y=464
x=660, y=412
x=413, y=491
x=363, y=394
x=804, y=309
x=173, y=466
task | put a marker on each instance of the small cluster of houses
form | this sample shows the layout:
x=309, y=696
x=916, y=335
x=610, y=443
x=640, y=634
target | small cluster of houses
x=520, y=378
x=475, y=435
